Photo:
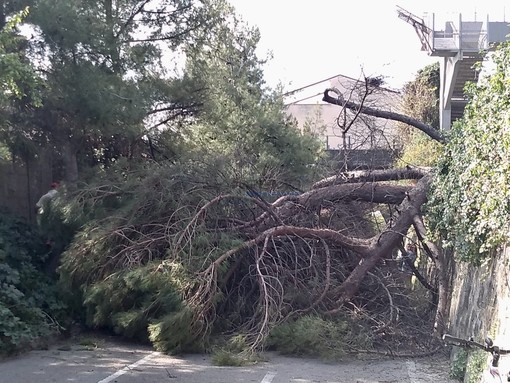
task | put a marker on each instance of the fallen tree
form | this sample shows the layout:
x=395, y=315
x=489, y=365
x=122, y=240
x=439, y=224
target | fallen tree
x=282, y=225
x=239, y=263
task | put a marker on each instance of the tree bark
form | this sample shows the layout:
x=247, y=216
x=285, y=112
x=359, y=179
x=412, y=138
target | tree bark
x=384, y=243
x=439, y=261
x=366, y=192
x=70, y=163
x=360, y=176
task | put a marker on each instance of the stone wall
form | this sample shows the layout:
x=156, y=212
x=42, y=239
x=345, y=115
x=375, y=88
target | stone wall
x=480, y=303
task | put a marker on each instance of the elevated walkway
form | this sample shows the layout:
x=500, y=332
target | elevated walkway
x=460, y=44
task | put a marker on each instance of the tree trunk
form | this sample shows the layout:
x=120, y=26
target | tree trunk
x=2, y=14
x=439, y=261
x=70, y=163
x=384, y=243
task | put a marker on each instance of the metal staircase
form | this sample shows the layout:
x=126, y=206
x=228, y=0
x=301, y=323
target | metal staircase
x=461, y=46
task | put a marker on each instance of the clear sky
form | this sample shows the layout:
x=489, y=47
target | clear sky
x=314, y=40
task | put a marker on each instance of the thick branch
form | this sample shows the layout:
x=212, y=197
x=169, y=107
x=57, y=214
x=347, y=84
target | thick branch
x=338, y=100
x=367, y=192
x=387, y=241
x=360, y=176
x=436, y=254
x=289, y=206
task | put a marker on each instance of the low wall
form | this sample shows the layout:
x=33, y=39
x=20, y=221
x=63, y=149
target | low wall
x=363, y=159
x=480, y=303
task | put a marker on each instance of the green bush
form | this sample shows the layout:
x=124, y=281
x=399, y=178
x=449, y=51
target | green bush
x=312, y=336
x=459, y=364
x=30, y=307
x=476, y=364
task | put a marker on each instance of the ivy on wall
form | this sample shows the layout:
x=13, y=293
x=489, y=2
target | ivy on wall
x=470, y=202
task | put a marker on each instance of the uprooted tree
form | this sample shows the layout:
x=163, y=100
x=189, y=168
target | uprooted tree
x=304, y=238
x=177, y=233
x=200, y=253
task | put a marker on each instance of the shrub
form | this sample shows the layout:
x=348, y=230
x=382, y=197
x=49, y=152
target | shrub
x=312, y=336
x=29, y=302
x=459, y=364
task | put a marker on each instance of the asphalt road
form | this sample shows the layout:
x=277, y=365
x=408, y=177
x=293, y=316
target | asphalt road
x=116, y=362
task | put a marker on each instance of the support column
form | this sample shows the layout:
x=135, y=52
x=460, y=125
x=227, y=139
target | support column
x=448, y=71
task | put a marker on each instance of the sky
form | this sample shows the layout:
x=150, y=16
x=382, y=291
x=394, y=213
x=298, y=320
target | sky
x=314, y=40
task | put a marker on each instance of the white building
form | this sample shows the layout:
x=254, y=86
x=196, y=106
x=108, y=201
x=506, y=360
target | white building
x=343, y=130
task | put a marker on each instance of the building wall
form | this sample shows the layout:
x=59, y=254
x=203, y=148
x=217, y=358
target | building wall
x=329, y=121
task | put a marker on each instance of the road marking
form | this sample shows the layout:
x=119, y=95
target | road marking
x=128, y=368
x=269, y=377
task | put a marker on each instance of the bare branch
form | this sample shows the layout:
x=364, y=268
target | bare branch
x=338, y=100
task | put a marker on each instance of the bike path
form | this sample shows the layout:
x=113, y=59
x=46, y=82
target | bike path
x=114, y=362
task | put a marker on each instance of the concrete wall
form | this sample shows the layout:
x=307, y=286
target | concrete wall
x=480, y=304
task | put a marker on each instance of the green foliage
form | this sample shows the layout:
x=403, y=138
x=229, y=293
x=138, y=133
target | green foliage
x=312, y=336
x=420, y=150
x=421, y=101
x=470, y=202
x=20, y=89
x=128, y=300
x=122, y=259
x=215, y=130
x=29, y=303
x=234, y=351
x=176, y=333
x=122, y=212
x=459, y=364
x=477, y=362
x=18, y=80
x=240, y=118
x=227, y=358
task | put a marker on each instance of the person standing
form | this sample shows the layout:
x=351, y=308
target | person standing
x=46, y=198
x=41, y=207
x=408, y=258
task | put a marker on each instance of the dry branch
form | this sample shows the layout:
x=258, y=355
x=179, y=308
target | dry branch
x=338, y=100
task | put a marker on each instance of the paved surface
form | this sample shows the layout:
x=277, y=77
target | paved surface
x=113, y=362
